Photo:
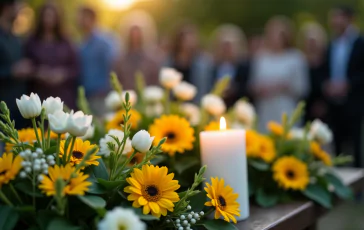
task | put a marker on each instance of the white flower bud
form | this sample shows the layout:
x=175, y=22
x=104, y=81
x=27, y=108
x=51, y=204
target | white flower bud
x=189, y=207
x=39, y=151
x=36, y=167
x=45, y=171
x=185, y=91
x=40, y=178
x=153, y=94
x=28, y=169
x=168, y=221
x=52, y=105
x=182, y=217
x=189, y=216
x=142, y=141
x=202, y=213
x=29, y=106
x=28, y=152
x=178, y=225
x=185, y=222
x=320, y=132
x=23, y=174
x=213, y=104
x=50, y=157
x=193, y=221
x=37, y=162
x=133, y=97
x=180, y=228
x=34, y=155
x=58, y=122
x=78, y=123
x=169, y=77
x=113, y=100
x=245, y=112
x=24, y=163
x=196, y=216
x=177, y=221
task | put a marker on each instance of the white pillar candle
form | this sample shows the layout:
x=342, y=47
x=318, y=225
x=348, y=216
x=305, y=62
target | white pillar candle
x=223, y=152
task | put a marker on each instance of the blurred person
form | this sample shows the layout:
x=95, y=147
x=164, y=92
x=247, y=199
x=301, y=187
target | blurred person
x=255, y=44
x=54, y=58
x=314, y=42
x=14, y=70
x=344, y=81
x=140, y=33
x=96, y=56
x=187, y=58
x=279, y=73
x=230, y=59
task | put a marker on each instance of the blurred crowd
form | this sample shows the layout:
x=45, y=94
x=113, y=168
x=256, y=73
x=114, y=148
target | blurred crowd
x=272, y=69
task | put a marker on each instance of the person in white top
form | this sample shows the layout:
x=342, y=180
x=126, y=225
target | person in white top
x=279, y=74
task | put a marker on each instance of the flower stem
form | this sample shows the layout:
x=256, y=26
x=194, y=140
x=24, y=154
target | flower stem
x=42, y=131
x=36, y=131
x=48, y=137
x=5, y=199
x=57, y=151
x=33, y=182
x=167, y=101
x=71, y=149
x=127, y=161
x=15, y=193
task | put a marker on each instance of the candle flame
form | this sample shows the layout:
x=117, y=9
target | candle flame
x=222, y=123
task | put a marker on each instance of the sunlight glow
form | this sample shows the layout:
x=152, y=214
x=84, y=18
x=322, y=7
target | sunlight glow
x=119, y=4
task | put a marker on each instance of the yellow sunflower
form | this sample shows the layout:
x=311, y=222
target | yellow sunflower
x=75, y=182
x=79, y=151
x=118, y=120
x=153, y=189
x=291, y=173
x=54, y=135
x=320, y=154
x=9, y=167
x=25, y=136
x=178, y=131
x=267, y=150
x=252, y=141
x=275, y=128
x=223, y=199
x=212, y=126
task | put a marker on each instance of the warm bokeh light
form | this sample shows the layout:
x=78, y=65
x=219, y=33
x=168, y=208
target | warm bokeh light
x=119, y=4
x=222, y=123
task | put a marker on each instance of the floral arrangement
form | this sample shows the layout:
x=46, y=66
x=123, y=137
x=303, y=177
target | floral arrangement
x=65, y=172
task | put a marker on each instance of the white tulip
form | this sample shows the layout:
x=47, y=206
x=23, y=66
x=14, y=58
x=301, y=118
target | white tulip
x=58, y=122
x=133, y=97
x=29, y=106
x=52, y=105
x=142, y=141
x=245, y=112
x=299, y=133
x=89, y=133
x=113, y=100
x=169, y=77
x=213, y=104
x=192, y=112
x=104, y=148
x=185, y=91
x=320, y=132
x=154, y=110
x=78, y=123
x=121, y=218
x=153, y=94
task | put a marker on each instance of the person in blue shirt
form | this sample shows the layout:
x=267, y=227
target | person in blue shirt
x=96, y=57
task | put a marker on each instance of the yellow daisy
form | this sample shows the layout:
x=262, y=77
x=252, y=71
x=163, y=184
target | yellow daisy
x=275, y=128
x=118, y=120
x=252, y=141
x=9, y=167
x=267, y=150
x=79, y=151
x=179, y=133
x=25, y=136
x=152, y=188
x=75, y=182
x=291, y=173
x=320, y=154
x=212, y=126
x=223, y=199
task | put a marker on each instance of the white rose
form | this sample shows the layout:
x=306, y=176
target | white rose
x=213, y=104
x=52, y=105
x=78, y=123
x=169, y=77
x=192, y=112
x=133, y=97
x=29, y=106
x=154, y=110
x=104, y=148
x=89, y=133
x=153, y=94
x=58, y=122
x=245, y=112
x=185, y=91
x=142, y=141
x=113, y=100
x=121, y=218
x=320, y=132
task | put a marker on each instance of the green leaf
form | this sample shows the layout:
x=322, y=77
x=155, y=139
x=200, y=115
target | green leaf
x=185, y=164
x=259, y=164
x=44, y=217
x=266, y=199
x=218, y=225
x=61, y=224
x=139, y=213
x=94, y=202
x=318, y=194
x=8, y=218
x=198, y=201
x=110, y=185
x=95, y=188
x=341, y=190
x=52, y=150
x=100, y=171
x=26, y=187
x=221, y=86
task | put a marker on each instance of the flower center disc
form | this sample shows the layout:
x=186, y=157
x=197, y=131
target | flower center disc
x=77, y=154
x=222, y=201
x=151, y=193
x=171, y=137
x=290, y=174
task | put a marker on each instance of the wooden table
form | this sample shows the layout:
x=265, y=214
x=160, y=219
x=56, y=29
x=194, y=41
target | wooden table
x=300, y=215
